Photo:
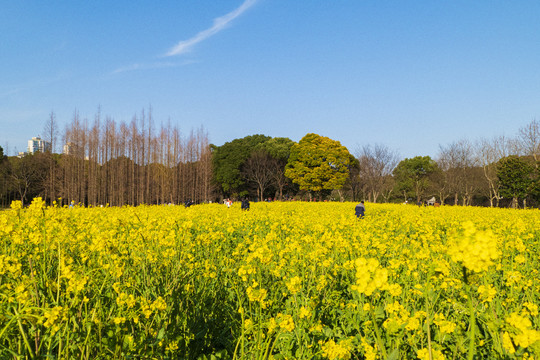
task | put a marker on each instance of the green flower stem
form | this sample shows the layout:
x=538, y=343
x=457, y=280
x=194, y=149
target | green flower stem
x=472, y=317
x=377, y=331
x=23, y=333
x=472, y=329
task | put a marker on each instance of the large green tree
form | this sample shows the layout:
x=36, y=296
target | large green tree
x=412, y=176
x=279, y=149
x=228, y=160
x=253, y=165
x=515, y=178
x=318, y=163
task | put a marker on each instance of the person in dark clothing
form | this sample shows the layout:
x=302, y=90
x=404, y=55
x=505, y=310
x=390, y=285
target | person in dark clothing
x=360, y=210
x=245, y=204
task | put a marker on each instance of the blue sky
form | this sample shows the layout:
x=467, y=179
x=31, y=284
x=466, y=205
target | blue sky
x=407, y=74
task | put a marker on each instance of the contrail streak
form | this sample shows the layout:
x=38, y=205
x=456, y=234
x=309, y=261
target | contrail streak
x=220, y=23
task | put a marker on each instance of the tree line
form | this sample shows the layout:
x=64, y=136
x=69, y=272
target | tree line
x=131, y=163
x=501, y=171
x=106, y=162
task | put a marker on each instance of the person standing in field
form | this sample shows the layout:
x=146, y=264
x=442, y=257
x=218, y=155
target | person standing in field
x=360, y=210
x=245, y=204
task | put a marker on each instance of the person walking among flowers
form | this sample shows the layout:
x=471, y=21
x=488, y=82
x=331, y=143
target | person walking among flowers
x=360, y=210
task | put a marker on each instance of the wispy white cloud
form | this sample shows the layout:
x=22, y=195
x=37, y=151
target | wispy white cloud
x=219, y=24
x=7, y=90
x=184, y=46
x=156, y=65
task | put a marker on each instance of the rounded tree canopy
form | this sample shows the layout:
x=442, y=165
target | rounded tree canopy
x=318, y=163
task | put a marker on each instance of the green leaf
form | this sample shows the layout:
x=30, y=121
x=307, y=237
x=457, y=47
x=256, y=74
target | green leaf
x=394, y=355
x=379, y=313
x=161, y=333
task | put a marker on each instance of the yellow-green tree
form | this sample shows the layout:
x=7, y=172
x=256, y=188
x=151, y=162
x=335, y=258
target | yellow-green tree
x=318, y=163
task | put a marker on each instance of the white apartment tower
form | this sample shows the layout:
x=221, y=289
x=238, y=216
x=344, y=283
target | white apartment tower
x=36, y=144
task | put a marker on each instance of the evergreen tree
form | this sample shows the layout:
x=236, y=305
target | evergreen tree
x=413, y=176
x=515, y=178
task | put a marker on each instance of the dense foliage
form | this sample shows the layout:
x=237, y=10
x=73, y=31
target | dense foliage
x=251, y=165
x=318, y=163
x=515, y=177
x=284, y=280
x=136, y=163
x=228, y=160
x=413, y=176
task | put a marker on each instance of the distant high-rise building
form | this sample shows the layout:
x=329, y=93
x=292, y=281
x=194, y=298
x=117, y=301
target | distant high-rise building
x=36, y=144
x=69, y=149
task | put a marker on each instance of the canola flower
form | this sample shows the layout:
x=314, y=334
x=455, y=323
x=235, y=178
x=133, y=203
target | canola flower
x=298, y=280
x=294, y=284
x=337, y=351
x=477, y=250
x=521, y=332
x=369, y=276
x=445, y=326
x=423, y=354
x=487, y=293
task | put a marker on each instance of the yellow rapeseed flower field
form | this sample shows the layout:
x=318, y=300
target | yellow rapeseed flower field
x=281, y=281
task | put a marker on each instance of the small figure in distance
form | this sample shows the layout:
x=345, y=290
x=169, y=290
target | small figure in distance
x=245, y=204
x=360, y=210
x=188, y=203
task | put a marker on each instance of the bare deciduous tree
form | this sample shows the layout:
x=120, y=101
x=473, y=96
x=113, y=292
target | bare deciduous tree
x=529, y=140
x=28, y=175
x=134, y=164
x=487, y=155
x=375, y=167
x=259, y=169
x=457, y=161
x=51, y=135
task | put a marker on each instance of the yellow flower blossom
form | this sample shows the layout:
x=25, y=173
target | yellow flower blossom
x=423, y=354
x=248, y=325
x=370, y=352
x=159, y=304
x=294, y=285
x=272, y=325
x=119, y=320
x=445, y=326
x=304, y=312
x=487, y=293
x=530, y=308
x=257, y=295
x=522, y=332
x=394, y=289
x=507, y=343
x=337, y=351
x=369, y=276
x=476, y=250
x=285, y=322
